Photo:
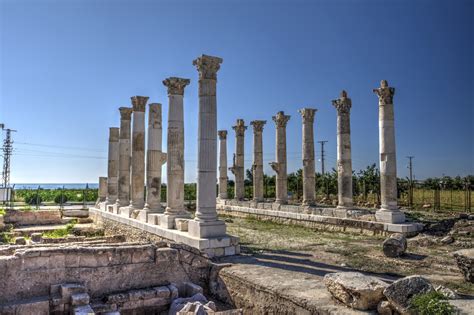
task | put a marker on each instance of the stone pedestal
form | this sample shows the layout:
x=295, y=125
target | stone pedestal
x=309, y=172
x=205, y=223
x=238, y=168
x=257, y=166
x=222, y=164
x=344, y=160
x=280, y=165
x=112, y=166
x=175, y=146
x=154, y=161
x=123, y=199
x=389, y=211
x=138, y=153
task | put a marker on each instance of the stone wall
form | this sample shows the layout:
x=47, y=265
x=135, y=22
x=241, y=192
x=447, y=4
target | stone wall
x=33, y=217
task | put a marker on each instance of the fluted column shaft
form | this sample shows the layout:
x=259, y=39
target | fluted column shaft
x=238, y=168
x=388, y=162
x=309, y=171
x=124, y=157
x=280, y=165
x=175, y=146
x=344, y=160
x=222, y=164
x=112, y=166
x=155, y=159
x=257, y=166
x=138, y=153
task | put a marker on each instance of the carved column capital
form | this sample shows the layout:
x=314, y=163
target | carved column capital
x=176, y=85
x=275, y=166
x=126, y=113
x=208, y=66
x=222, y=134
x=281, y=119
x=239, y=127
x=343, y=104
x=385, y=93
x=308, y=114
x=139, y=103
x=258, y=125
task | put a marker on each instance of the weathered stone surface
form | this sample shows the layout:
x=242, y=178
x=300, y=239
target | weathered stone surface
x=280, y=165
x=447, y=292
x=355, y=289
x=41, y=217
x=80, y=299
x=400, y=292
x=465, y=260
x=395, y=245
x=309, y=177
x=238, y=161
x=36, y=237
x=384, y=308
x=222, y=164
x=448, y=239
x=257, y=166
x=20, y=241
x=179, y=303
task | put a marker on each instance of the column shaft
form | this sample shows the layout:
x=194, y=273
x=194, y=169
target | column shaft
x=102, y=189
x=309, y=172
x=257, y=166
x=238, y=167
x=138, y=153
x=280, y=166
x=112, y=167
x=124, y=157
x=155, y=159
x=222, y=164
x=344, y=160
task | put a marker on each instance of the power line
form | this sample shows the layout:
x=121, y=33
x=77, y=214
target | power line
x=7, y=152
x=322, y=155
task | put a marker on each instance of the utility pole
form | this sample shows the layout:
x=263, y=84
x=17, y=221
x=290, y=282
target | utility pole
x=322, y=155
x=7, y=152
x=410, y=166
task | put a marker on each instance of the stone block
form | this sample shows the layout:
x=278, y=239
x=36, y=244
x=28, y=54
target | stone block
x=68, y=289
x=190, y=289
x=390, y=216
x=142, y=215
x=219, y=252
x=20, y=241
x=166, y=256
x=206, y=229
x=181, y=224
x=83, y=310
x=36, y=237
x=174, y=293
x=229, y=251
x=219, y=242
x=162, y=292
x=153, y=218
x=80, y=299
x=143, y=256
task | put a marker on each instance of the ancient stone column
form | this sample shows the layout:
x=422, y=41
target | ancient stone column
x=138, y=153
x=102, y=191
x=238, y=168
x=123, y=199
x=112, y=167
x=257, y=166
x=155, y=159
x=280, y=165
x=309, y=172
x=205, y=223
x=175, y=146
x=222, y=164
x=388, y=163
x=344, y=160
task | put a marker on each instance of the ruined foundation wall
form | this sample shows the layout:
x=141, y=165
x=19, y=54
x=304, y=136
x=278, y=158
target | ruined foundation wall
x=30, y=272
x=34, y=217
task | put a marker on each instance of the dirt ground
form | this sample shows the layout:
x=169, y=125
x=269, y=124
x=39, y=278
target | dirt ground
x=426, y=255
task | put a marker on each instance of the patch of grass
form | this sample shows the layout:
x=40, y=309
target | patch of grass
x=26, y=208
x=60, y=233
x=431, y=303
x=6, y=237
x=461, y=286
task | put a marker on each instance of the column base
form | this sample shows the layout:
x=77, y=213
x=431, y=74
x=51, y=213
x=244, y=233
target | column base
x=210, y=229
x=341, y=212
x=390, y=216
x=281, y=201
x=167, y=221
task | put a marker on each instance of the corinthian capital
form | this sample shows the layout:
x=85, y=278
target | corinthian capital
x=208, y=66
x=258, y=125
x=343, y=104
x=239, y=127
x=222, y=134
x=281, y=119
x=385, y=93
x=139, y=103
x=275, y=166
x=308, y=114
x=126, y=113
x=175, y=85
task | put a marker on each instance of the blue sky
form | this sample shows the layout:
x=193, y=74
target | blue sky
x=66, y=67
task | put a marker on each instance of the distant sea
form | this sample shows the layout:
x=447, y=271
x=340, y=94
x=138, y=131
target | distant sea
x=57, y=186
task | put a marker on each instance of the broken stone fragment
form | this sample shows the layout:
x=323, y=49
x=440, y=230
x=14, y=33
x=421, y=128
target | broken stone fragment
x=447, y=240
x=384, y=308
x=447, y=292
x=465, y=260
x=36, y=237
x=355, y=289
x=20, y=241
x=395, y=245
x=400, y=292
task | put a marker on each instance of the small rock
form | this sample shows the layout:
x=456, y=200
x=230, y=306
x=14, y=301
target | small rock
x=355, y=289
x=384, y=308
x=36, y=237
x=465, y=260
x=395, y=245
x=400, y=292
x=426, y=206
x=447, y=240
x=447, y=292
x=20, y=241
x=186, y=303
x=470, y=217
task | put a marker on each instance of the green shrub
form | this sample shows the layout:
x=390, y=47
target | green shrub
x=6, y=237
x=431, y=303
x=32, y=199
x=58, y=197
x=2, y=211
